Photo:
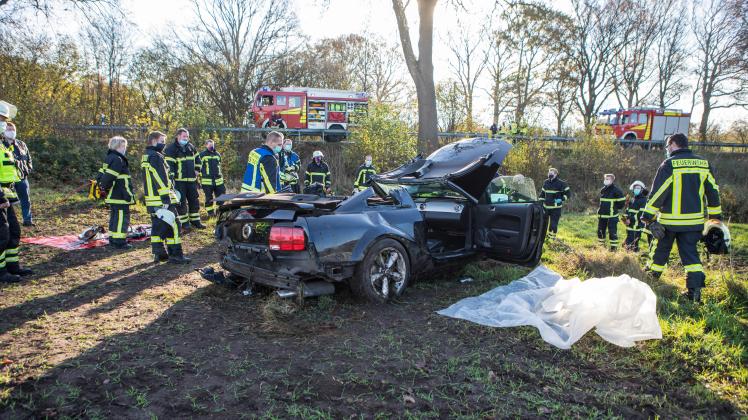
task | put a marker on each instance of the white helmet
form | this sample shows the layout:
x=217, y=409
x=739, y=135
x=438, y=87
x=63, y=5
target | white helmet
x=716, y=237
x=167, y=216
x=317, y=153
x=635, y=183
x=7, y=110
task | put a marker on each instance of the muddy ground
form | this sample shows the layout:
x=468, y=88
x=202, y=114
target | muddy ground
x=103, y=334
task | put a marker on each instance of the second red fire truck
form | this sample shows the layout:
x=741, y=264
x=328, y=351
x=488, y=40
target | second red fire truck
x=643, y=123
x=302, y=108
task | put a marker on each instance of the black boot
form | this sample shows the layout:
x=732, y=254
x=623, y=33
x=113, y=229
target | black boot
x=197, y=224
x=15, y=268
x=693, y=294
x=119, y=244
x=159, y=253
x=6, y=277
x=186, y=227
x=176, y=256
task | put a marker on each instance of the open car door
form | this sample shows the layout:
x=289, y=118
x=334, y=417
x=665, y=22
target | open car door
x=509, y=222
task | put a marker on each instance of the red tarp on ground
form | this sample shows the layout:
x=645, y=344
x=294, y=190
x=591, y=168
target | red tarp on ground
x=71, y=242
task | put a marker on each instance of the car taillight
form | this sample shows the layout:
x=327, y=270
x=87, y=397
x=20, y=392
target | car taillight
x=287, y=239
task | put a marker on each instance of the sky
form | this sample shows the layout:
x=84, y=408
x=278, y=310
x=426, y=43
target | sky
x=320, y=19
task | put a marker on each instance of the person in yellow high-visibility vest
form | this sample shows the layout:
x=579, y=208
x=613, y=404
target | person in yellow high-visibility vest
x=262, y=174
x=9, y=256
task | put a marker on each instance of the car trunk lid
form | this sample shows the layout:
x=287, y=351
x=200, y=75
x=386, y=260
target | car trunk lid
x=469, y=164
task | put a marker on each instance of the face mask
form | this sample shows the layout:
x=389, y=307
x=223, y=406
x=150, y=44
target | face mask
x=122, y=151
x=368, y=163
x=637, y=191
x=288, y=147
x=183, y=142
x=160, y=146
x=3, y=125
x=551, y=175
x=317, y=160
x=607, y=182
x=277, y=149
x=667, y=152
x=211, y=148
x=10, y=134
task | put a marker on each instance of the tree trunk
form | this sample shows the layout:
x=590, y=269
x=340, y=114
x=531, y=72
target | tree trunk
x=704, y=124
x=421, y=69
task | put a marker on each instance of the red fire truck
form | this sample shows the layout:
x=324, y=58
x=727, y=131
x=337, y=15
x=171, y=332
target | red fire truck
x=643, y=123
x=302, y=107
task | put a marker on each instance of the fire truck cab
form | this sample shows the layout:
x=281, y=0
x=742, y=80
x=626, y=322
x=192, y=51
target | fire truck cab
x=643, y=123
x=308, y=108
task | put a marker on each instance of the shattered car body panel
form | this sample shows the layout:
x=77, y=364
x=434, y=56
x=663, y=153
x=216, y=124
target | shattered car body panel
x=428, y=211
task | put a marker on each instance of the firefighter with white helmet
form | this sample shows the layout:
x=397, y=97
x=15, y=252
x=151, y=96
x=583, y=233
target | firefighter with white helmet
x=635, y=202
x=317, y=172
x=161, y=200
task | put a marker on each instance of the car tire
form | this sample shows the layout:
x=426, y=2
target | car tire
x=335, y=138
x=371, y=273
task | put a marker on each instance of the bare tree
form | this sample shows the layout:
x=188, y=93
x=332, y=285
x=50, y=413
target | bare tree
x=561, y=93
x=467, y=63
x=596, y=40
x=377, y=69
x=633, y=65
x=671, y=56
x=497, y=66
x=421, y=68
x=109, y=41
x=721, y=75
x=235, y=43
x=536, y=36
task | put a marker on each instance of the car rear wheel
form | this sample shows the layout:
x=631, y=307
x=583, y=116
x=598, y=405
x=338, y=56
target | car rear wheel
x=384, y=272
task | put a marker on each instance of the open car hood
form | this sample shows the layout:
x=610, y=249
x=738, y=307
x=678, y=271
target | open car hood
x=289, y=200
x=469, y=164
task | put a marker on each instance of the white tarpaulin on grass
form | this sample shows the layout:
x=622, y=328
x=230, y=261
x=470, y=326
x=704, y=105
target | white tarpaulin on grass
x=621, y=309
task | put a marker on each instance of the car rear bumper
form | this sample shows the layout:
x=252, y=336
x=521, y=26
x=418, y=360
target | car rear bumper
x=260, y=275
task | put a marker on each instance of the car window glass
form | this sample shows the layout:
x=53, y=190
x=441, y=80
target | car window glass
x=294, y=101
x=280, y=100
x=511, y=189
x=642, y=118
x=267, y=100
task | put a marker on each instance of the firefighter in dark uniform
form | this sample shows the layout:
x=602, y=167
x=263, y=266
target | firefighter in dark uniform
x=161, y=201
x=184, y=166
x=211, y=176
x=364, y=174
x=317, y=172
x=290, y=164
x=115, y=179
x=632, y=216
x=5, y=276
x=554, y=193
x=9, y=176
x=612, y=201
x=684, y=181
x=263, y=169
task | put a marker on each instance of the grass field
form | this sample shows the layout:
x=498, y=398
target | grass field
x=100, y=334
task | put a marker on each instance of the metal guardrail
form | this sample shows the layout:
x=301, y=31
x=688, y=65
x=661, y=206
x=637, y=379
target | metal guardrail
x=325, y=134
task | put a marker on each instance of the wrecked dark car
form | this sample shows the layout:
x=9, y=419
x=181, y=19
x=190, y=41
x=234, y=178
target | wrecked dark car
x=450, y=205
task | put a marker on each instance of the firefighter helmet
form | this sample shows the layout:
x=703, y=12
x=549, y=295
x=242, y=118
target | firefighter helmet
x=635, y=183
x=7, y=110
x=716, y=237
x=317, y=153
x=166, y=215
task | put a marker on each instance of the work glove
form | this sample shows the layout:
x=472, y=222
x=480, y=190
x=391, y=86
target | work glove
x=658, y=231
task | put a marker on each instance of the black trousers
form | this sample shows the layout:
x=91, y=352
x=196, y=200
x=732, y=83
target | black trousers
x=189, y=203
x=211, y=192
x=119, y=220
x=632, y=239
x=14, y=237
x=609, y=224
x=162, y=232
x=4, y=236
x=689, y=256
x=553, y=215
